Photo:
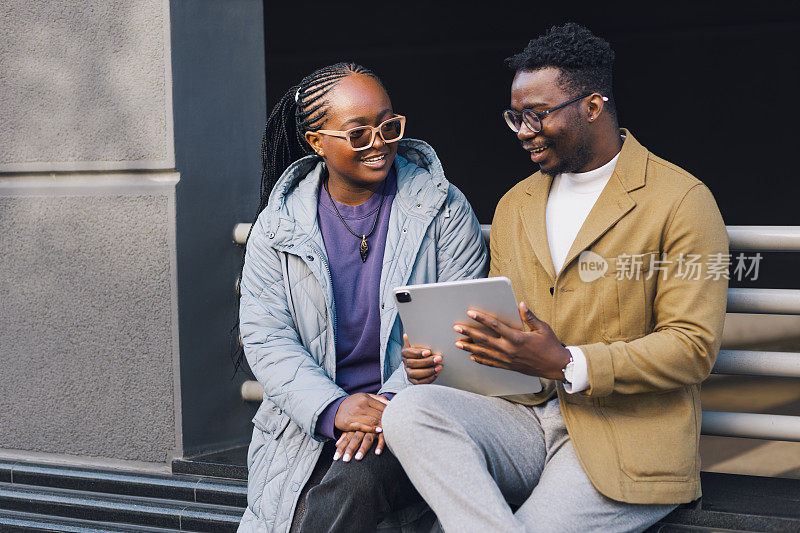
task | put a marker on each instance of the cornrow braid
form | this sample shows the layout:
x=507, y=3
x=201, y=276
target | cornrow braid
x=302, y=108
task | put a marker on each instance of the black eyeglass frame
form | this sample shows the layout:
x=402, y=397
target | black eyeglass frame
x=526, y=113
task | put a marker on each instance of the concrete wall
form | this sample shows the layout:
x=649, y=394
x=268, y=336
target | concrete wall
x=129, y=148
x=86, y=364
x=84, y=85
x=88, y=321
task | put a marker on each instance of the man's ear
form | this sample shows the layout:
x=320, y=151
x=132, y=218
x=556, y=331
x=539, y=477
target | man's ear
x=595, y=106
x=315, y=140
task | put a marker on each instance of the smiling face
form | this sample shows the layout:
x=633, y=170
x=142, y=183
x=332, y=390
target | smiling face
x=564, y=144
x=357, y=100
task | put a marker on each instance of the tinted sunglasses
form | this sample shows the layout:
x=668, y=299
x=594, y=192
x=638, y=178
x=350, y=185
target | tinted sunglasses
x=362, y=137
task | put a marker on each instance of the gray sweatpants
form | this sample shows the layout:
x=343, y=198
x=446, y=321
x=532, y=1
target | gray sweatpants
x=473, y=457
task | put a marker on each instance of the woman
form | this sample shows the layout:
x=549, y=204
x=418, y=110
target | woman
x=349, y=212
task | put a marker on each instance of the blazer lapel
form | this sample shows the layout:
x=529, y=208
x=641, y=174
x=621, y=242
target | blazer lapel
x=614, y=203
x=532, y=214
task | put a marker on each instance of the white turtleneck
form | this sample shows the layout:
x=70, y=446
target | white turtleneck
x=571, y=198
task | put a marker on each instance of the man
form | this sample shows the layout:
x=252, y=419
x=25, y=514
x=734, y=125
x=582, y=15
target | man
x=597, y=245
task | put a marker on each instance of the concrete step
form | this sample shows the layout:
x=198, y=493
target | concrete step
x=190, y=488
x=734, y=502
x=700, y=520
x=116, y=508
x=231, y=463
x=18, y=522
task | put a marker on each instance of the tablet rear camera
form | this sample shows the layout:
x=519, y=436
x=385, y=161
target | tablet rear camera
x=403, y=297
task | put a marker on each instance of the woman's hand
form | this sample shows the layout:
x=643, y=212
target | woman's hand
x=357, y=444
x=421, y=365
x=360, y=412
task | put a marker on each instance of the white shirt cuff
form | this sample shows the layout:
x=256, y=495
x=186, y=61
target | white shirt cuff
x=580, y=372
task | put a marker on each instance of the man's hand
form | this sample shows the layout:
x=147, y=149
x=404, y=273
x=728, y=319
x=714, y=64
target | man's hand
x=536, y=352
x=360, y=412
x=357, y=443
x=421, y=365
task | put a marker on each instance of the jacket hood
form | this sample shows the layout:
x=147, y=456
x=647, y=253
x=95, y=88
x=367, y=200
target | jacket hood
x=421, y=187
x=414, y=151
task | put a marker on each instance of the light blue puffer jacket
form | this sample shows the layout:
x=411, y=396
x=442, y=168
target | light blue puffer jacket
x=288, y=316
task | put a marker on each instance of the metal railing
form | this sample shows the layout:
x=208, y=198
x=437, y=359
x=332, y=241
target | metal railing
x=729, y=362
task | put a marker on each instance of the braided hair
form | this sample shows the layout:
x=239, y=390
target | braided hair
x=304, y=107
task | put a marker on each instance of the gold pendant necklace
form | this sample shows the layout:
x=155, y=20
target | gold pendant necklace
x=364, y=247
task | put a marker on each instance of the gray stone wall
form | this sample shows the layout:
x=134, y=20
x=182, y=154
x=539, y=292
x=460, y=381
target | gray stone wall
x=86, y=363
x=129, y=147
x=84, y=85
x=88, y=297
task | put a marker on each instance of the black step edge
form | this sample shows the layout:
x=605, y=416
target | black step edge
x=211, y=469
x=17, y=521
x=119, y=508
x=230, y=463
x=755, y=495
x=200, y=489
x=700, y=520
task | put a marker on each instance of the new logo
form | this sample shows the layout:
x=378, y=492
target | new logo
x=591, y=266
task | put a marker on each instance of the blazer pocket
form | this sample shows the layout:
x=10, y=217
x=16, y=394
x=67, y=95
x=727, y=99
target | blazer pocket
x=656, y=434
x=624, y=299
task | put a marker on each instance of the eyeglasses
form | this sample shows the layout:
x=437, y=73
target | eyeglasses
x=362, y=137
x=533, y=119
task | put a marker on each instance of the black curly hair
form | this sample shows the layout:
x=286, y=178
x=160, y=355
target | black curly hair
x=585, y=60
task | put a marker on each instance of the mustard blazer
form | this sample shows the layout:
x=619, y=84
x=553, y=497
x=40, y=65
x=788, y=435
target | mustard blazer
x=650, y=331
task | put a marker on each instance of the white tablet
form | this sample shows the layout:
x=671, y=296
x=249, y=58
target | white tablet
x=430, y=311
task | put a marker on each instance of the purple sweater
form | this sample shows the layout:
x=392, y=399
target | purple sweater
x=355, y=292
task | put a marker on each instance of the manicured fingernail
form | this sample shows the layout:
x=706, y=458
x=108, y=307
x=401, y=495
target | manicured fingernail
x=426, y=353
x=459, y=345
x=438, y=369
x=437, y=359
x=458, y=329
x=336, y=456
x=346, y=458
x=378, y=429
x=378, y=451
x=359, y=456
x=472, y=314
x=473, y=358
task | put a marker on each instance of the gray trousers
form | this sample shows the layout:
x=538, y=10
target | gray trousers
x=475, y=459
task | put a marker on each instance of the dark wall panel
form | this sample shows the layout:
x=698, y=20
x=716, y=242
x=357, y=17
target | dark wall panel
x=218, y=82
x=706, y=88
x=704, y=85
